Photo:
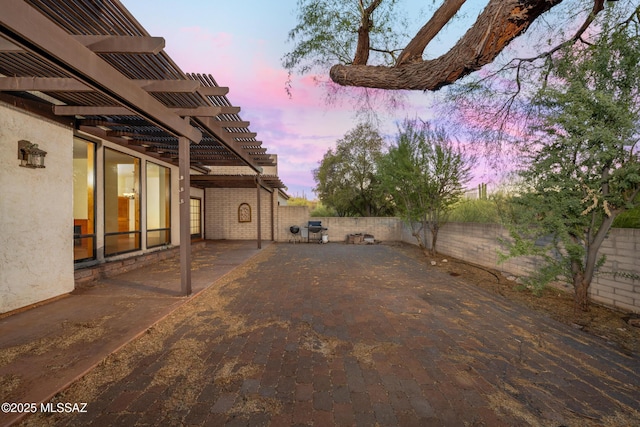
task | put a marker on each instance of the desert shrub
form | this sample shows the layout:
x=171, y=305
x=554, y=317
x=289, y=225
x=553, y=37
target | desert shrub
x=321, y=210
x=628, y=219
x=475, y=210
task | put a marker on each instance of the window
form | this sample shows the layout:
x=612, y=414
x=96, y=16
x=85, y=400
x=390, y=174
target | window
x=158, y=205
x=195, y=221
x=121, y=202
x=84, y=179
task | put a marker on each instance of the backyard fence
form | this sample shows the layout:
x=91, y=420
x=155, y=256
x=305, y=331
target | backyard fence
x=614, y=286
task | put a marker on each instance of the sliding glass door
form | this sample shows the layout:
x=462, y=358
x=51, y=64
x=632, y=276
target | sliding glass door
x=158, y=205
x=84, y=192
x=121, y=202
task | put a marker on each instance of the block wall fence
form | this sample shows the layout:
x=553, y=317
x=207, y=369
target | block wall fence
x=479, y=244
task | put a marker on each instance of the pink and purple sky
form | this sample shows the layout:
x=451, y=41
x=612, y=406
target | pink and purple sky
x=241, y=44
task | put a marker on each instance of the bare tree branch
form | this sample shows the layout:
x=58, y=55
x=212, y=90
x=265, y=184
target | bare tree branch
x=366, y=23
x=598, y=6
x=499, y=23
x=414, y=50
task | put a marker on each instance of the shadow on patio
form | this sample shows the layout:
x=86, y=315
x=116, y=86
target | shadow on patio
x=44, y=349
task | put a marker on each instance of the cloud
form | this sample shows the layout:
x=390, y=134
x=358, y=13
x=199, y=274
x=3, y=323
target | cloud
x=300, y=128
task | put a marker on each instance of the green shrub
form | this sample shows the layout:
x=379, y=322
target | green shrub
x=498, y=209
x=628, y=219
x=475, y=210
x=322, y=211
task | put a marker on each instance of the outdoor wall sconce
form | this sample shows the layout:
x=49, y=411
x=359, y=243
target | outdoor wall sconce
x=30, y=155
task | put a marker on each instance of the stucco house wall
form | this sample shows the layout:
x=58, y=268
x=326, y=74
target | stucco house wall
x=36, y=211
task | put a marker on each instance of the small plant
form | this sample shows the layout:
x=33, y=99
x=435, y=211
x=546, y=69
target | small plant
x=322, y=211
x=475, y=210
x=629, y=219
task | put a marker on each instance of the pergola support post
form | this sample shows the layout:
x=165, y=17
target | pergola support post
x=184, y=165
x=273, y=200
x=258, y=215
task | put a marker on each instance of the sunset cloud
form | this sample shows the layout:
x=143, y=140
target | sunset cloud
x=241, y=46
x=300, y=129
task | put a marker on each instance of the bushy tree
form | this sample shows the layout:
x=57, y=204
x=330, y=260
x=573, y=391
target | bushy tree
x=583, y=168
x=424, y=173
x=346, y=179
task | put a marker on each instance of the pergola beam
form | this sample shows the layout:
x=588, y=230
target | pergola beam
x=233, y=124
x=65, y=84
x=105, y=44
x=235, y=162
x=114, y=110
x=242, y=134
x=199, y=111
x=248, y=181
x=49, y=84
x=213, y=90
x=122, y=44
x=133, y=136
x=169, y=86
x=46, y=39
x=7, y=47
x=213, y=126
x=89, y=110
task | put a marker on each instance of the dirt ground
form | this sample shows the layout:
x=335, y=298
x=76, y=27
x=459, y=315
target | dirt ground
x=610, y=325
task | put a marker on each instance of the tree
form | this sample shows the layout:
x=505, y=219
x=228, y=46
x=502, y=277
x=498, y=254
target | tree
x=424, y=173
x=583, y=169
x=298, y=201
x=326, y=30
x=346, y=179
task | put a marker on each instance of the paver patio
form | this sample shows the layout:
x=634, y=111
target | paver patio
x=340, y=334
x=43, y=349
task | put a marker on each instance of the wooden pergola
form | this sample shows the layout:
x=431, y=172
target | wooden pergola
x=93, y=66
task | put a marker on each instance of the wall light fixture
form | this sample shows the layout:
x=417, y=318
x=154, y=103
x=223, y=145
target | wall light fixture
x=30, y=155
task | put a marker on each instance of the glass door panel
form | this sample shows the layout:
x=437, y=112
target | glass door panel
x=84, y=179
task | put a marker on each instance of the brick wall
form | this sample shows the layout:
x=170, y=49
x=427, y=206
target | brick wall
x=383, y=229
x=232, y=170
x=622, y=248
x=221, y=214
x=87, y=276
x=477, y=243
x=480, y=243
x=288, y=216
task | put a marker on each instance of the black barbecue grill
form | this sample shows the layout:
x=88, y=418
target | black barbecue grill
x=295, y=233
x=316, y=228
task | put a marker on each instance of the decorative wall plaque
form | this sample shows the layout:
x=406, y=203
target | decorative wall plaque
x=244, y=213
